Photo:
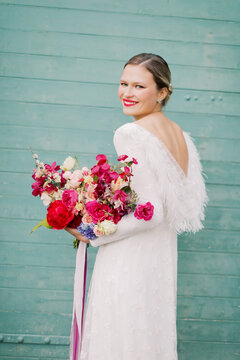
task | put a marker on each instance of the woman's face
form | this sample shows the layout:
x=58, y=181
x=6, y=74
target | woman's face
x=138, y=92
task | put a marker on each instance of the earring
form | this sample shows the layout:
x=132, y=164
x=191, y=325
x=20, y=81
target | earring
x=159, y=101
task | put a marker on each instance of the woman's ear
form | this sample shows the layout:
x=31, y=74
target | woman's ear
x=163, y=93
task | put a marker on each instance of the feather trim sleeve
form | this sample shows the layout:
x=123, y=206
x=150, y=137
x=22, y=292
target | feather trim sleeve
x=143, y=182
x=184, y=197
x=192, y=196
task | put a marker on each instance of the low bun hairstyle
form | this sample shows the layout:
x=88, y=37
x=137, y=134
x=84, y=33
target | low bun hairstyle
x=159, y=69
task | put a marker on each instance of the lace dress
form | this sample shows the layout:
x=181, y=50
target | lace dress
x=130, y=310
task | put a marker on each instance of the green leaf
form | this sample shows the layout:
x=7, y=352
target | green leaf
x=126, y=189
x=44, y=223
x=76, y=243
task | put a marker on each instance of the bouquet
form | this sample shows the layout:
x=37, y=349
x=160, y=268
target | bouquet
x=91, y=200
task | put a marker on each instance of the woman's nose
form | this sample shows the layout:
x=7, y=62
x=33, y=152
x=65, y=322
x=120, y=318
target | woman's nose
x=128, y=91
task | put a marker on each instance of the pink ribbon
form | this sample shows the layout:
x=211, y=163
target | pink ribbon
x=78, y=301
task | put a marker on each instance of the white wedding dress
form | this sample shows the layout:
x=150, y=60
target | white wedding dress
x=130, y=311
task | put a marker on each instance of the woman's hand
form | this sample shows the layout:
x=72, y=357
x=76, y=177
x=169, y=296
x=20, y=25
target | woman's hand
x=77, y=234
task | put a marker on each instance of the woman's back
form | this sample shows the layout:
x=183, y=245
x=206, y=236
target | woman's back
x=170, y=134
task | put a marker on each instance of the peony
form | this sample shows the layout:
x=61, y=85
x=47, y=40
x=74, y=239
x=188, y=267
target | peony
x=68, y=163
x=58, y=216
x=144, y=211
x=107, y=227
x=97, y=211
x=69, y=198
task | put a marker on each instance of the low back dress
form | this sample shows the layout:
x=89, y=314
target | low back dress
x=130, y=311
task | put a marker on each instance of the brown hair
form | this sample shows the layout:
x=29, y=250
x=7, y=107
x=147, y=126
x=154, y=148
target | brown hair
x=158, y=67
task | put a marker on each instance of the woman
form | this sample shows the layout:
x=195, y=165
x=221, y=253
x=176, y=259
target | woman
x=131, y=306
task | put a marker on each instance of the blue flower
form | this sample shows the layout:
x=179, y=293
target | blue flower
x=87, y=230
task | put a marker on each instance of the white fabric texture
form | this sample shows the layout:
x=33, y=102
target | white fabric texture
x=130, y=310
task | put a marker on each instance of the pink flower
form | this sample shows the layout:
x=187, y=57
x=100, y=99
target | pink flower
x=134, y=161
x=90, y=192
x=96, y=231
x=69, y=198
x=87, y=219
x=52, y=168
x=119, y=194
x=100, y=170
x=98, y=212
x=85, y=171
x=105, y=167
x=37, y=186
x=144, y=211
x=127, y=170
x=101, y=159
x=122, y=157
x=75, y=178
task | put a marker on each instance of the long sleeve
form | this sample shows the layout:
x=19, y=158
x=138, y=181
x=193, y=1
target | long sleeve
x=143, y=182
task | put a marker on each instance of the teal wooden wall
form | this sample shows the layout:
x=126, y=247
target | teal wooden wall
x=60, y=66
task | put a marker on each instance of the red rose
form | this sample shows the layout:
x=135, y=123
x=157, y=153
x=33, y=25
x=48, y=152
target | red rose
x=58, y=216
x=144, y=211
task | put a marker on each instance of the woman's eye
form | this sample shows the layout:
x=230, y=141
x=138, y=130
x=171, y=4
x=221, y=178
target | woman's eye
x=123, y=84
x=140, y=86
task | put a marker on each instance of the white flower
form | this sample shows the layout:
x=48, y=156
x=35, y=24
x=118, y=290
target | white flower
x=117, y=203
x=75, y=178
x=80, y=197
x=68, y=163
x=88, y=179
x=119, y=184
x=57, y=177
x=41, y=166
x=46, y=198
x=35, y=156
x=58, y=194
x=67, y=175
x=67, y=186
x=107, y=227
x=85, y=171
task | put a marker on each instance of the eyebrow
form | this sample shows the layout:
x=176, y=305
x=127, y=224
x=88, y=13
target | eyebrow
x=135, y=82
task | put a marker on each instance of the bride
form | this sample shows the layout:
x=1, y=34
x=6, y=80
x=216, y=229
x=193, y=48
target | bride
x=131, y=305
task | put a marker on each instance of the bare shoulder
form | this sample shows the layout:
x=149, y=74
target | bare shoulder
x=176, y=127
x=161, y=126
